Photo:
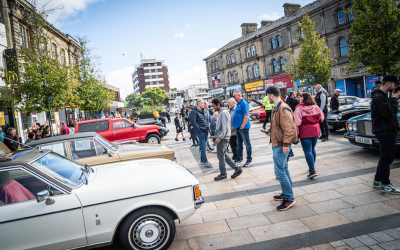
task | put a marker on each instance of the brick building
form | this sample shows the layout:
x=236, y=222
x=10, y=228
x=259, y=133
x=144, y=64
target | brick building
x=258, y=58
x=150, y=73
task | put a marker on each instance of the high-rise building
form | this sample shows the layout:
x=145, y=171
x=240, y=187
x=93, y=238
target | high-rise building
x=150, y=73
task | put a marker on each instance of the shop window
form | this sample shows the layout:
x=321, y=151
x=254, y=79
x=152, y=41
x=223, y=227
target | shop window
x=250, y=69
x=248, y=52
x=233, y=57
x=273, y=43
x=275, y=66
x=343, y=47
x=282, y=63
x=256, y=73
x=340, y=16
x=235, y=76
x=253, y=50
x=228, y=59
x=350, y=16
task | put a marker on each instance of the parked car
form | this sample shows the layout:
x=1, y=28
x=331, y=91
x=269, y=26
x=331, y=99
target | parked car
x=337, y=120
x=121, y=130
x=92, y=149
x=359, y=132
x=258, y=115
x=133, y=202
x=345, y=102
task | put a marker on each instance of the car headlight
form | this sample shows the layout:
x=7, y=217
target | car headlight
x=340, y=116
x=350, y=126
x=355, y=126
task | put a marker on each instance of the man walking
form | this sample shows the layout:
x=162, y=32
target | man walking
x=199, y=119
x=385, y=125
x=335, y=100
x=283, y=133
x=292, y=100
x=232, y=140
x=322, y=101
x=268, y=107
x=193, y=135
x=241, y=122
x=64, y=129
x=222, y=135
x=183, y=116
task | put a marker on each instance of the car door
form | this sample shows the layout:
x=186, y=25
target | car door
x=123, y=130
x=89, y=151
x=26, y=223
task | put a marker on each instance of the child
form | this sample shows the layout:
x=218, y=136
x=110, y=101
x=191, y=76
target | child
x=178, y=125
x=213, y=123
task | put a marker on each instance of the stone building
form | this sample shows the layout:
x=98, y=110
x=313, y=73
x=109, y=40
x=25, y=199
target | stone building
x=258, y=58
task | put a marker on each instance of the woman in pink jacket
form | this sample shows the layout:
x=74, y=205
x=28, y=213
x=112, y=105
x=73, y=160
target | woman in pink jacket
x=308, y=116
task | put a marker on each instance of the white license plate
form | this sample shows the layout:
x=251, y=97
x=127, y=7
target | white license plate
x=330, y=127
x=364, y=140
x=253, y=116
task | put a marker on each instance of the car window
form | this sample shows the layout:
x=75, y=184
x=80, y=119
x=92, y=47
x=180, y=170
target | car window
x=59, y=148
x=121, y=125
x=342, y=101
x=86, y=148
x=349, y=101
x=93, y=126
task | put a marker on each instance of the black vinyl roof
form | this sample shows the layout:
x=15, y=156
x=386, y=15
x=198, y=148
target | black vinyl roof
x=61, y=138
x=21, y=157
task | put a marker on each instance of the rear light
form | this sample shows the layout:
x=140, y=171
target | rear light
x=197, y=192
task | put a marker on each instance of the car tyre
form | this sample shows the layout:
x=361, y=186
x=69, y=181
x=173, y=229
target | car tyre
x=153, y=139
x=148, y=229
x=332, y=130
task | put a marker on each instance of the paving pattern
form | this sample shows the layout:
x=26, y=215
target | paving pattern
x=339, y=209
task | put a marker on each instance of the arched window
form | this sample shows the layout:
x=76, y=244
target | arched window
x=340, y=16
x=275, y=66
x=228, y=59
x=282, y=63
x=235, y=76
x=279, y=40
x=273, y=43
x=233, y=57
x=216, y=64
x=256, y=74
x=253, y=50
x=212, y=66
x=248, y=52
x=343, y=47
x=250, y=72
x=230, y=77
x=350, y=16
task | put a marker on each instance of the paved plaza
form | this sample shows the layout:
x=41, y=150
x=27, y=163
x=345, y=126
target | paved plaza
x=339, y=209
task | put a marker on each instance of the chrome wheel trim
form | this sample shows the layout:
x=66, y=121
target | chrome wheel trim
x=150, y=231
x=152, y=140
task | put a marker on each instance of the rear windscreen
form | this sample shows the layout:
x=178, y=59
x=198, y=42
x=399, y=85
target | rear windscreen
x=93, y=126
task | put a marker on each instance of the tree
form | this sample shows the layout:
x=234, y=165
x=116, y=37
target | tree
x=315, y=62
x=174, y=89
x=155, y=94
x=135, y=100
x=375, y=36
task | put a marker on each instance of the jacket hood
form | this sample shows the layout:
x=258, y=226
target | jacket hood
x=223, y=109
x=377, y=92
x=306, y=108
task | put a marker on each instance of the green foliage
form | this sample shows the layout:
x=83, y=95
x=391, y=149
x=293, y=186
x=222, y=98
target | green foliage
x=150, y=102
x=156, y=95
x=174, y=89
x=147, y=110
x=375, y=36
x=135, y=100
x=314, y=63
x=160, y=109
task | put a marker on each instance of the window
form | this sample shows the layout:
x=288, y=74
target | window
x=216, y=64
x=275, y=66
x=273, y=43
x=121, y=125
x=155, y=64
x=349, y=101
x=282, y=62
x=149, y=64
x=228, y=59
x=340, y=16
x=63, y=57
x=253, y=50
x=59, y=148
x=22, y=36
x=93, y=126
x=233, y=57
x=342, y=101
x=230, y=77
x=86, y=148
x=343, y=47
x=158, y=82
x=54, y=49
x=212, y=65
x=256, y=74
x=350, y=16
x=150, y=77
x=250, y=72
x=279, y=40
x=248, y=52
x=156, y=70
x=235, y=76
x=302, y=35
x=149, y=70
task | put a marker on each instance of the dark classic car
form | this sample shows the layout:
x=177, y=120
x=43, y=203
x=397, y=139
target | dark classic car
x=359, y=132
x=338, y=118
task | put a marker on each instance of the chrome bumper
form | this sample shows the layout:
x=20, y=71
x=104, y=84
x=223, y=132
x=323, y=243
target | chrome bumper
x=198, y=202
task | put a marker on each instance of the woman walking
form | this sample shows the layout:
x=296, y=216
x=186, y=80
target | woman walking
x=308, y=116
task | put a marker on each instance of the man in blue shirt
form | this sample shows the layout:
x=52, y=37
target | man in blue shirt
x=241, y=122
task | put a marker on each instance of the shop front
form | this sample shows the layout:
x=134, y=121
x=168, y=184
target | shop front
x=360, y=86
x=231, y=89
x=255, y=90
x=216, y=93
x=284, y=83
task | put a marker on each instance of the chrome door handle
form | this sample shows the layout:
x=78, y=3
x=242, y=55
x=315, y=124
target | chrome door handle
x=115, y=133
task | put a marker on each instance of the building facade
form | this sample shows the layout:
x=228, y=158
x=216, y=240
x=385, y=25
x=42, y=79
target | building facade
x=258, y=59
x=150, y=73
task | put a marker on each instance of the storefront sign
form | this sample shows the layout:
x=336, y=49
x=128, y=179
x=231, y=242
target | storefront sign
x=215, y=92
x=282, y=82
x=370, y=82
x=2, y=120
x=254, y=86
x=234, y=88
x=269, y=83
x=216, y=81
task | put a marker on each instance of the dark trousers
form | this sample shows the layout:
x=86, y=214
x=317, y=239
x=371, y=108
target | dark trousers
x=233, y=143
x=195, y=140
x=324, y=126
x=267, y=118
x=388, y=147
x=223, y=157
x=169, y=118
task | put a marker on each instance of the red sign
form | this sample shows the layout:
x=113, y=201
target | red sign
x=216, y=81
x=281, y=82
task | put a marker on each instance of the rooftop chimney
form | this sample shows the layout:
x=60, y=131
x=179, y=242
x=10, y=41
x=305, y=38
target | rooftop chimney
x=248, y=27
x=290, y=8
x=265, y=22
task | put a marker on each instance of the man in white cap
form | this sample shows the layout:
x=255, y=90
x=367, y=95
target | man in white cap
x=335, y=100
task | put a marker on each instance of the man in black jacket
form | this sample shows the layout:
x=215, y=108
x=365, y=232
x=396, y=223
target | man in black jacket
x=385, y=125
x=322, y=100
x=335, y=100
x=292, y=100
x=10, y=139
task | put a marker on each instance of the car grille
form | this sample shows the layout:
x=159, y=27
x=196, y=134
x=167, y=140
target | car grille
x=364, y=128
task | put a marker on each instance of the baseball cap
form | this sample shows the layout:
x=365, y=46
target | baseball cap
x=338, y=90
x=391, y=78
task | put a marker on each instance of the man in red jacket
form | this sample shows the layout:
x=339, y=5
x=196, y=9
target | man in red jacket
x=64, y=129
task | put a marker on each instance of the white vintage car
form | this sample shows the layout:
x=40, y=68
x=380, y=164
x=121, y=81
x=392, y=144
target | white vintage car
x=50, y=202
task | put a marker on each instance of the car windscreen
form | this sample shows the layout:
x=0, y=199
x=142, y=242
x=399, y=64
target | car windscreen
x=106, y=143
x=61, y=169
x=93, y=126
x=360, y=103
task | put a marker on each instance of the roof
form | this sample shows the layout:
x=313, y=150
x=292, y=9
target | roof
x=22, y=157
x=272, y=25
x=61, y=138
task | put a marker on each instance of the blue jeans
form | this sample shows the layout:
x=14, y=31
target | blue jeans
x=203, y=141
x=308, y=145
x=242, y=135
x=282, y=172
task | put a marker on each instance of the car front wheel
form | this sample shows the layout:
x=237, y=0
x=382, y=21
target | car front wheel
x=153, y=139
x=148, y=229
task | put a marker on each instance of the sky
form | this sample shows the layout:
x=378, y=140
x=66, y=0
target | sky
x=181, y=32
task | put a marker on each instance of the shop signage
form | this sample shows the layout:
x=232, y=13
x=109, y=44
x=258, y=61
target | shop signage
x=370, y=82
x=234, y=88
x=281, y=85
x=254, y=86
x=216, y=81
x=269, y=83
x=216, y=92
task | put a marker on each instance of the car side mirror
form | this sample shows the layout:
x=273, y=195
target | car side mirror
x=44, y=196
x=133, y=125
x=109, y=154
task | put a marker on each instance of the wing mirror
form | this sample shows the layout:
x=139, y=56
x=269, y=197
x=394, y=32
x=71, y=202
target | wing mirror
x=110, y=154
x=44, y=196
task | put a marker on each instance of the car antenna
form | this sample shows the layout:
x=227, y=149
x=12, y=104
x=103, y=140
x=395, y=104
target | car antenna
x=25, y=145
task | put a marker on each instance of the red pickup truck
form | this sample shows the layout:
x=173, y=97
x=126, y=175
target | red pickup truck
x=120, y=129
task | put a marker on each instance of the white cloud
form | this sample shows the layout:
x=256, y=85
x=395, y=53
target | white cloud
x=179, y=34
x=187, y=25
x=188, y=77
x=273, y=16
x=208, y=51
x=122, y=78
